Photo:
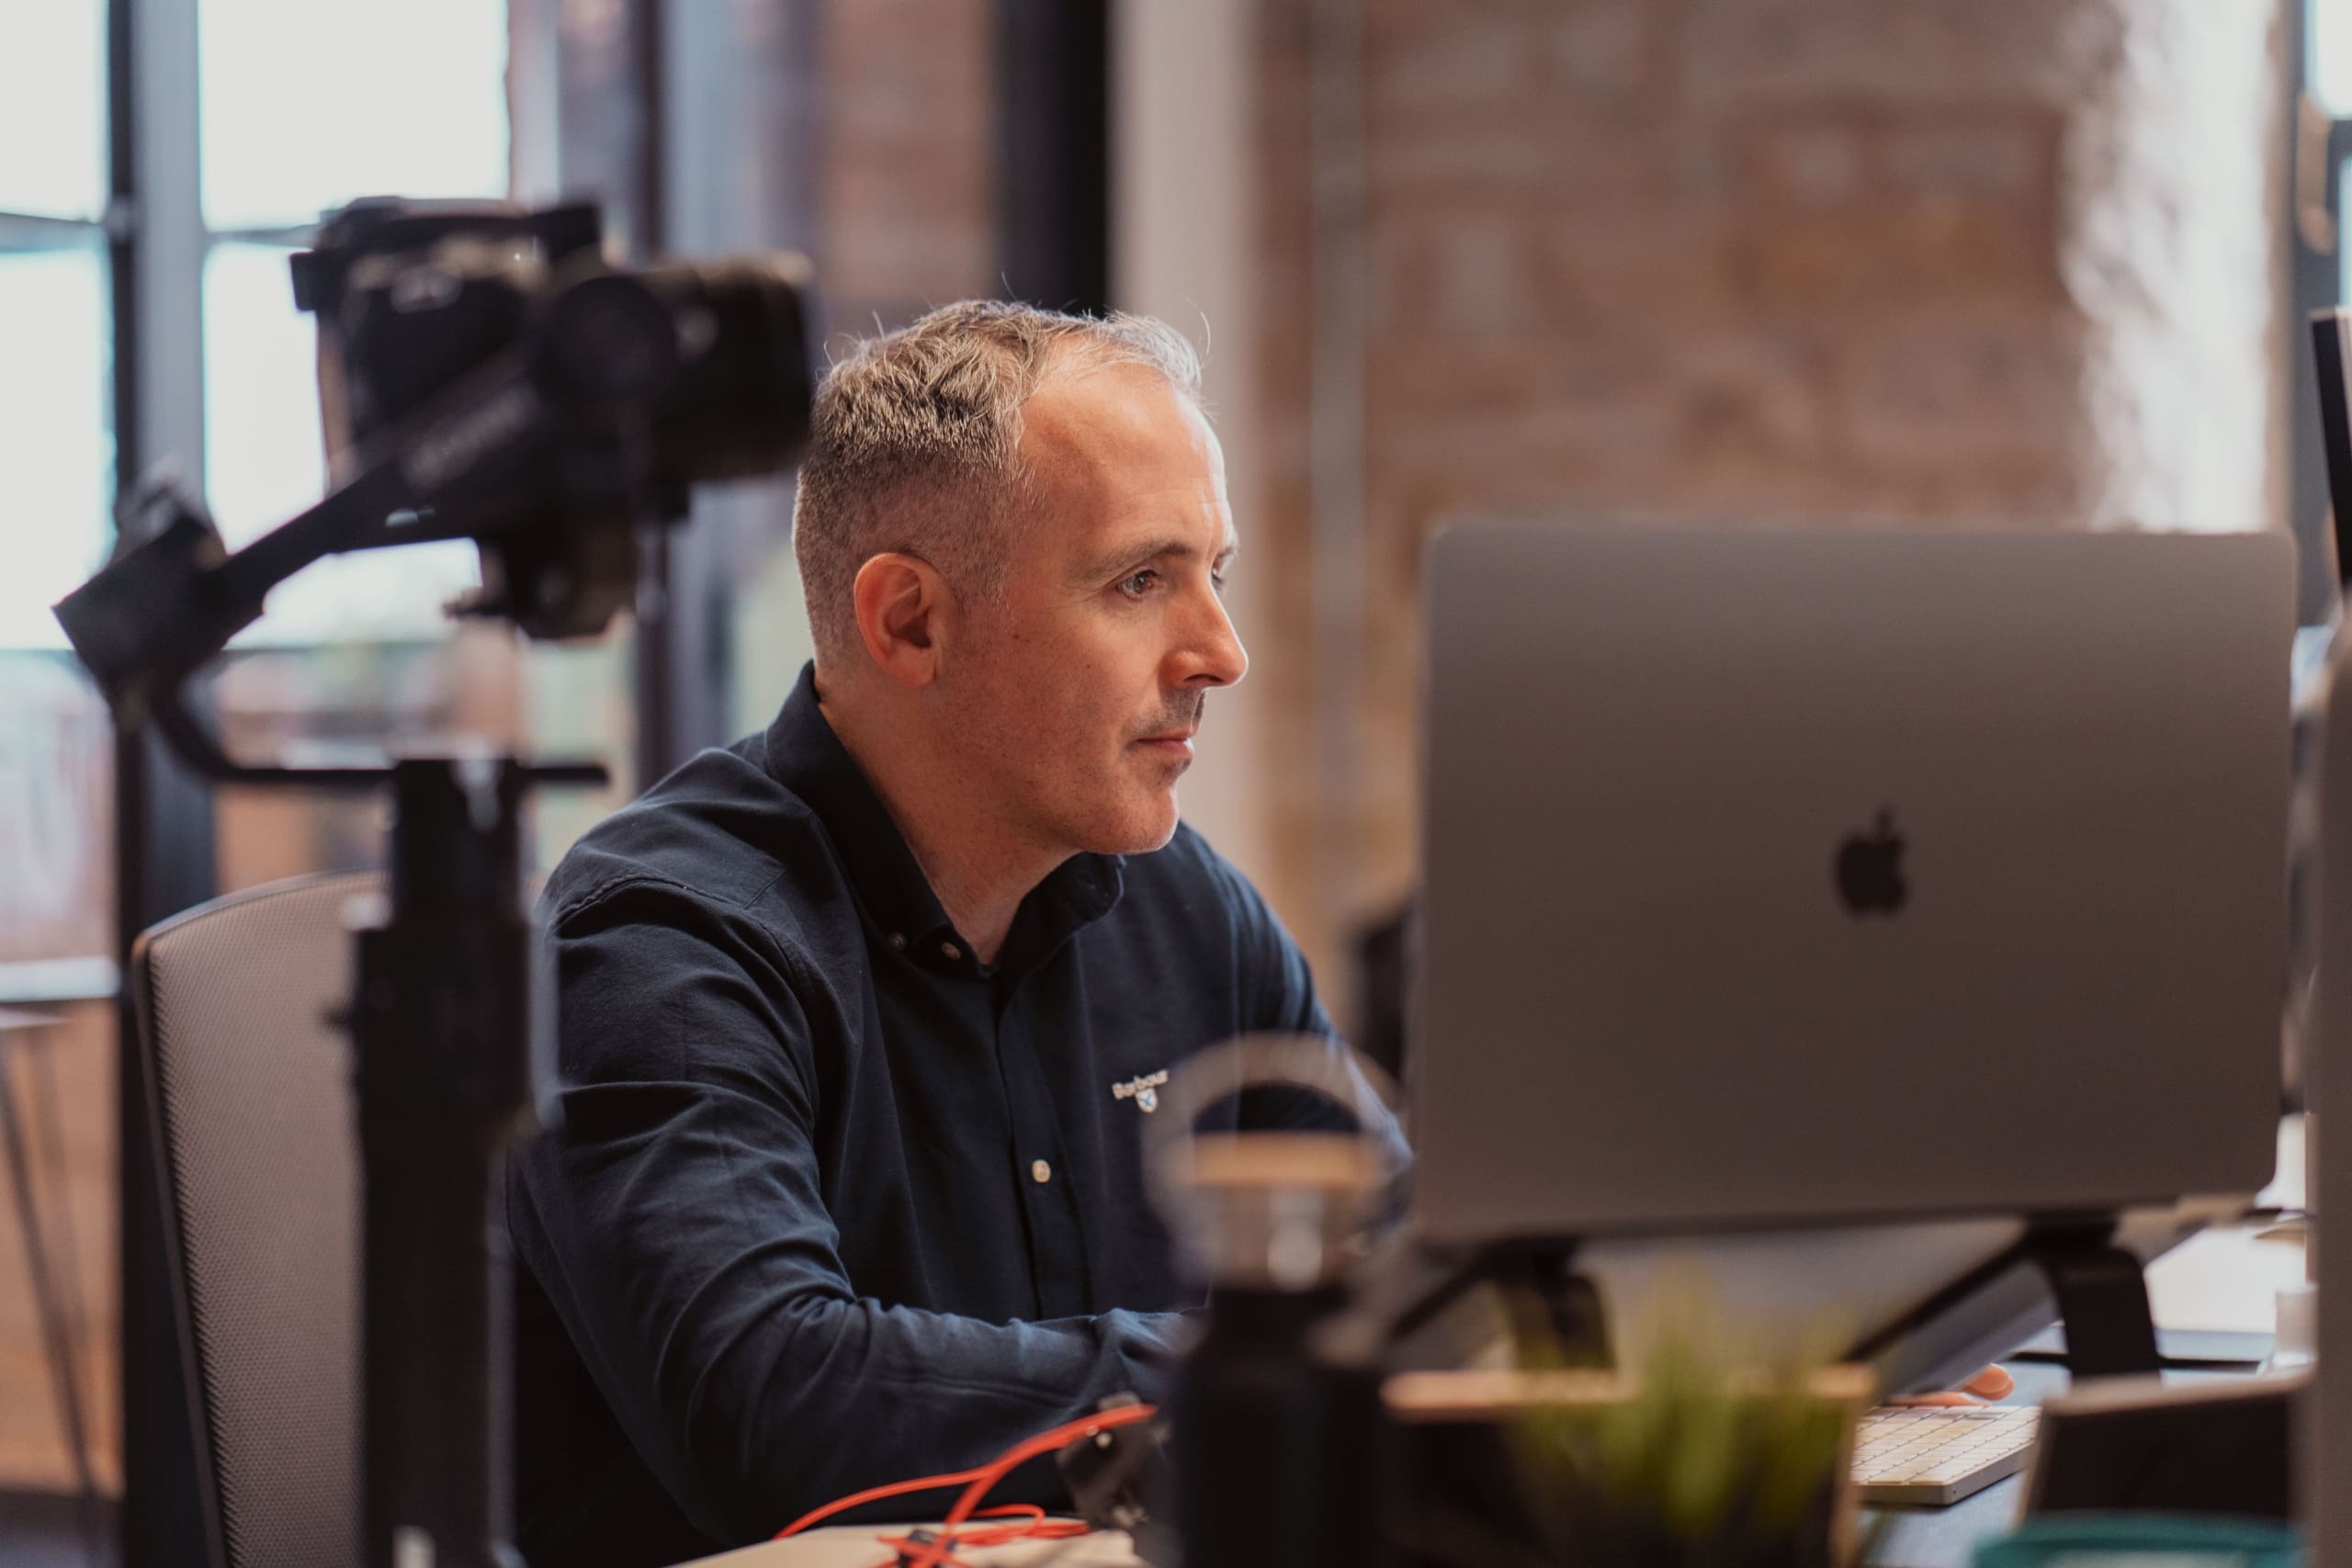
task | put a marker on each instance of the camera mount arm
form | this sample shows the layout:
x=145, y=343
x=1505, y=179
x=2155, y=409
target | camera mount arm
x=470, y=464
x=499, y=383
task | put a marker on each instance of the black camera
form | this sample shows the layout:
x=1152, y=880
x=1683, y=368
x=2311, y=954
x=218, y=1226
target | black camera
x=483, y=374
x=645, y=381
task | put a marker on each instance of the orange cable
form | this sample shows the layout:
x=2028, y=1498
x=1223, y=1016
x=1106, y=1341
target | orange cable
x=875, y=1494
x=985, y=1478
x=937, y=1552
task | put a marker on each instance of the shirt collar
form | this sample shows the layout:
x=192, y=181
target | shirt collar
x=804, y=755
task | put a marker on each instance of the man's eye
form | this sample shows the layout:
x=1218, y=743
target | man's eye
x=1136, y=586
x=1216, y=580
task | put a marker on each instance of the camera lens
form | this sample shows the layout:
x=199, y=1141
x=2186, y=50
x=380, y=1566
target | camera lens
x=738, y=404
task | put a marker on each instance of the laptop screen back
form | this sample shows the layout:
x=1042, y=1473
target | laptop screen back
x=1781, y=876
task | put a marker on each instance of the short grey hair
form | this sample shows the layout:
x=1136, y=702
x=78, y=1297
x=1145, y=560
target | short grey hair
x=915, y=443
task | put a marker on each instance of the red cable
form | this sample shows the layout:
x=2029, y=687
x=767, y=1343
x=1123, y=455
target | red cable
x=875, y=1494
x=978, y=1484
x=935, y=1552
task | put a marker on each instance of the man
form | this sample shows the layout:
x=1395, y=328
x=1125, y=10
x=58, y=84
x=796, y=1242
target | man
x=859, y=1016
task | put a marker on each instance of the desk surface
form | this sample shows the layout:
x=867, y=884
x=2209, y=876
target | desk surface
x=2223, y=1281
x=856, y=1546
x=1914, y=1538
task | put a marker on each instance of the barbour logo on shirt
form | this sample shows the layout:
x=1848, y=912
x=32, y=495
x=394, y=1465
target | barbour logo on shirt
x=1143, y=1091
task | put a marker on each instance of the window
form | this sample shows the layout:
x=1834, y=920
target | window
x=295, y=108
x=301, y=107
x=57, y=477
x=56, y=487
x=290, y=122
x=56, y=456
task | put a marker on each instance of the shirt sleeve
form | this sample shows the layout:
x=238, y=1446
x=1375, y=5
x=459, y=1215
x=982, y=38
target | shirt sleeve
x=676, y=1219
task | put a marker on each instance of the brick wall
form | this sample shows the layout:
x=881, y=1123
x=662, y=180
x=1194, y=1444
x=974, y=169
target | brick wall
x=909, y=193
x=903, y=217
x=1924, y=261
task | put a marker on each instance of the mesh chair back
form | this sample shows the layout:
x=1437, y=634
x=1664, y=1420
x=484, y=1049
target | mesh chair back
x=251, y=1083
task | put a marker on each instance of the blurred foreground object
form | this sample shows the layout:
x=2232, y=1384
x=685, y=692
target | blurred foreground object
x=483, y=374
x=1276, y=1455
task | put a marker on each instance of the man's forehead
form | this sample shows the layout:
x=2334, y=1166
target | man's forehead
x=1092, y=416
x=1126, y=459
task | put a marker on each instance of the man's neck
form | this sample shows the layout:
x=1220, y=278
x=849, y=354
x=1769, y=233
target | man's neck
x=978, y=868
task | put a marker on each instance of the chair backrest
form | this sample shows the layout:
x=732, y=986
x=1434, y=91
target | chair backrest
x=251, y=1081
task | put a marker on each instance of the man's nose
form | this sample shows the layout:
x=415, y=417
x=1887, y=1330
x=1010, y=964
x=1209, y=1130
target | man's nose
x=1213, y=652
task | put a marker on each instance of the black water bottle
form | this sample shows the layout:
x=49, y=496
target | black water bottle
x=1275, y=1437
x=1275, y=1434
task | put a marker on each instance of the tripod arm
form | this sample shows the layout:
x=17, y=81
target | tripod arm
x=167, y=605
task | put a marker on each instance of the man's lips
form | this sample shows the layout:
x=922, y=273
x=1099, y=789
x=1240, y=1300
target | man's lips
x=1174, y=743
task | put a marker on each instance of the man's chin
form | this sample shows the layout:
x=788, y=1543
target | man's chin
x=1140, y=832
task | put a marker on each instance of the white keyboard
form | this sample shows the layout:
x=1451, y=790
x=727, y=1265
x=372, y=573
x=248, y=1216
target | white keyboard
x=1940, y=1453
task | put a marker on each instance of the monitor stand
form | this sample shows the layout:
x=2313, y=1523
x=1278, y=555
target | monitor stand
x=2098, y=1287
x=2102, y=1297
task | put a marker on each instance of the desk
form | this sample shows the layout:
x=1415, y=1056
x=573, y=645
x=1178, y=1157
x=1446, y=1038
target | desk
x=2218, y=1282
x=2221, y=1285
x=854, y=1546
x=1916, y=1538
x=1947, y=1537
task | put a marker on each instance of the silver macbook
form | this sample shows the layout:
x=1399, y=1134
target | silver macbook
x=1788, y=878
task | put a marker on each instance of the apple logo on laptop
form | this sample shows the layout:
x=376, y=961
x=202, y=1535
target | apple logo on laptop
x=1870, y=869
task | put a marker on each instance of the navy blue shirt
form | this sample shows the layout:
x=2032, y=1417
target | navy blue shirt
x=831, y=1203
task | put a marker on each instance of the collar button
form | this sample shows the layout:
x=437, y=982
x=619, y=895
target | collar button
x=950, y=952
x=897, y=941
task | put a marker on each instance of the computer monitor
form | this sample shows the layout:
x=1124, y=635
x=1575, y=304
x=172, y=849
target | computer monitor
x=1785, y=880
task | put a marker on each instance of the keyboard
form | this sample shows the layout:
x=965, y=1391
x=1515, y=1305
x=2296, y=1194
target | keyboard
x=1940, y=1453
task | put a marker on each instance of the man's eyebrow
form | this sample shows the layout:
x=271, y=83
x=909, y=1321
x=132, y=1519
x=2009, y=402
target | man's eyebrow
x=1154, y=549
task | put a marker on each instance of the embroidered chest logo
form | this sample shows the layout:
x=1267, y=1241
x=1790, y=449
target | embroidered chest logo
x=1143, y=1091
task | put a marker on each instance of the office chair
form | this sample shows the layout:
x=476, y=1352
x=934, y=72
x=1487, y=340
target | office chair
x=250, y=1082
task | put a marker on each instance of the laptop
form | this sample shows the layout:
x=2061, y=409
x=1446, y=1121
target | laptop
x=1779, y=879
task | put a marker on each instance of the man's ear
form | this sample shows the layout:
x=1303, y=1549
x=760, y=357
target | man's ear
x=904, y=612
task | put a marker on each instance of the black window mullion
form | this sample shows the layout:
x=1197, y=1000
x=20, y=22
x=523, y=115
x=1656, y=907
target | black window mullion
x=163, y=849
x=164, y=835
x=1053, y=162
x=2315, y=281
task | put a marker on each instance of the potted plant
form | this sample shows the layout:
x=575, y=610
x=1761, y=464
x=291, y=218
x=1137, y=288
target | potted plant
x=1695, y=1454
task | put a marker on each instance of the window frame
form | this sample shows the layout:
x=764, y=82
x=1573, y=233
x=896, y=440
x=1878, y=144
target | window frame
x=2319, y=144
x=155, y=243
